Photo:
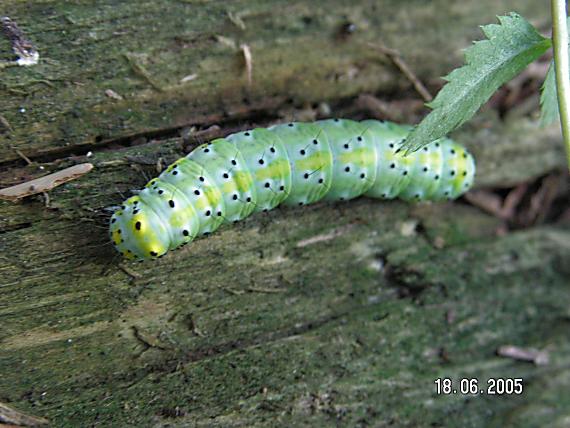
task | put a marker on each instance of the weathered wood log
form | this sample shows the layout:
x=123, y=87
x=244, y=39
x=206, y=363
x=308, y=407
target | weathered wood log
x=332, y=313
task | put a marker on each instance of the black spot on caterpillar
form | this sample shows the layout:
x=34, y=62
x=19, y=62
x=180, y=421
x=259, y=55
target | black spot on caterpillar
x=293, y=164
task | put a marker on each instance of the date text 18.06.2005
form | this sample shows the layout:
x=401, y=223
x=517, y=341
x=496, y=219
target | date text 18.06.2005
x=472, y=386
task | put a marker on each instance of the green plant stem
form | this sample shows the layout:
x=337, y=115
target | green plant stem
x=562, y=68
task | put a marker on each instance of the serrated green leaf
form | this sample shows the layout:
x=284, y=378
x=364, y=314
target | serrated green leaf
x=549, y=99
x=510, y=46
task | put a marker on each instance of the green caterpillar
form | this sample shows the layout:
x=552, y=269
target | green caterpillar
x=296, y=164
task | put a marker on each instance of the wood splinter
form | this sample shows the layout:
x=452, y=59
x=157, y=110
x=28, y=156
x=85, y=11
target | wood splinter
x=45, y=183
x=530, y=355
x=248, y=62
x=13, y=417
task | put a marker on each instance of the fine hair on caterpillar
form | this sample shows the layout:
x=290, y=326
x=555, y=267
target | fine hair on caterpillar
x=229, y=178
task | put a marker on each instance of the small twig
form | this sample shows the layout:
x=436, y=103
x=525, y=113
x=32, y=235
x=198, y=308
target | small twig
x=248, y=62
x=112, y=94
x=513, y=200
x=189, y=321
x=111, y=163
x=227, y=42
x=45, y=183
x=493, y=204
x=541, y=201
x=11, y=416
x=232, y=291
x=6, y=124
x=159, y=165
x=335, y=233
x=189, y=78
x=487, y=201
x=47, y=202
x=142, y=72
x=35, y=82
x=23, y=156
x=130, y=272
x=236, y=20
x=530, y=355
x=265, y=290
x=398, y=61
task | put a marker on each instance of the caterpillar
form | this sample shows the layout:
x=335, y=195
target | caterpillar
x=297, y=163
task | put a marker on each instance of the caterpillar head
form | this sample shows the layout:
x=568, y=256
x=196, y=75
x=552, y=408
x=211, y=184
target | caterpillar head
x=137, y=232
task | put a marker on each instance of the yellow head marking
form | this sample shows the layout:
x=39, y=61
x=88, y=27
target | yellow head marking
x=116, y=234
